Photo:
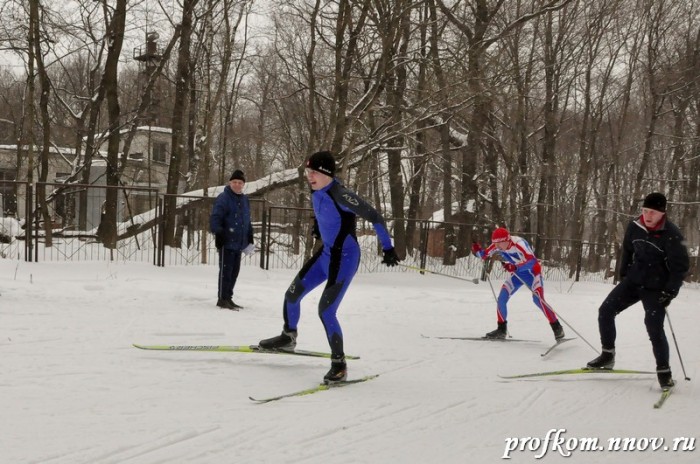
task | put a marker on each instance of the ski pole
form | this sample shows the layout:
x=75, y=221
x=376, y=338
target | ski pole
x=544, y=303
x=419, y=269
x=676, y=343
x=493, y=292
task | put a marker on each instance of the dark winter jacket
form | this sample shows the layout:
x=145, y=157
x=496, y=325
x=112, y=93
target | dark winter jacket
x=654, y=259
x=230, y=220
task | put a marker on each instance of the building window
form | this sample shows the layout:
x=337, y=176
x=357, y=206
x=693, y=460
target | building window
x=8, y=197
x=160, y=150
x=7, y=174
x=136, y=156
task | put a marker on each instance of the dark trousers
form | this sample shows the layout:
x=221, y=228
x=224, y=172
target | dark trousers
x=229, y=267
x=622, y=297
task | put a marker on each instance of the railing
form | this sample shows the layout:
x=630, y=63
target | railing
x=283, y=236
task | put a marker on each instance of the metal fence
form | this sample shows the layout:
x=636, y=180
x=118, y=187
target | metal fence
x=13, y=231
x=435, y=246
x=193, y=243
x=283, y=236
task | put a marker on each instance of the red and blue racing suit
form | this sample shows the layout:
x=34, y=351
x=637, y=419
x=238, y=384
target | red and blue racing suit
x=528, y=271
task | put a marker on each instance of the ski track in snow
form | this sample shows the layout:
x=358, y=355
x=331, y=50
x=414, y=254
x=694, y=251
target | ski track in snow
x=75, y=391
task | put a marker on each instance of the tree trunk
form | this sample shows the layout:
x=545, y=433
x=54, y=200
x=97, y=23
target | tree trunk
x=545, y=194
x=654, y=106
x=45, y=122
x=182, y=85
x=116, y=39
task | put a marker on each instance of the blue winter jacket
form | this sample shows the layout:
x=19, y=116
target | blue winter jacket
x=230, y=217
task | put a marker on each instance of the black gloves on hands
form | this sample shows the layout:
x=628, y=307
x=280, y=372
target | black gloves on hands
x=219, y=241
x=390, y=257
x=666, y=296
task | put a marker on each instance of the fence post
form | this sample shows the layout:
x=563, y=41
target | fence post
x=36, y=215
x=156, y=232
x=424, y=237
x=579, y=258
x=264, y=249
x=29, y=229
x=160, y=245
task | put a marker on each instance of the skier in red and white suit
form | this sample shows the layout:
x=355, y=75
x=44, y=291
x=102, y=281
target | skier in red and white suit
x=517, y=257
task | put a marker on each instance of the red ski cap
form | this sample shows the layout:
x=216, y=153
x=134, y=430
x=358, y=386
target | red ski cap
x=500, y=235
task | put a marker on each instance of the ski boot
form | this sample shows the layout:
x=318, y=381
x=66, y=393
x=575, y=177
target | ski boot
x=663, y=373
x=338, y=371
x=500, y=333
x=606, y=360
x=558, y=330
x=286, y=341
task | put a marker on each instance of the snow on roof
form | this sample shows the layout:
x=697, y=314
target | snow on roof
x=439, y=215
x=63, y=150
x=253, y=186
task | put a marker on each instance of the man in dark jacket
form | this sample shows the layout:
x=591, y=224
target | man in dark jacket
x=653, y=265
x=233, y=235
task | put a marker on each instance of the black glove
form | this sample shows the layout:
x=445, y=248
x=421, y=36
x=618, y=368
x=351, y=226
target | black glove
x=219, y=241
x=666, y=296
x=390, y=257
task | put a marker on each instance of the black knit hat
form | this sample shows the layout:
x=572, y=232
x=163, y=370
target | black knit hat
x=655, y=201
x=323, y=162
x=237, y=175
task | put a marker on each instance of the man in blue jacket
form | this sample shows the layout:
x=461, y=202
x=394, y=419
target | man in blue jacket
x=653, y=264
x=233, y=235
x=336, y=209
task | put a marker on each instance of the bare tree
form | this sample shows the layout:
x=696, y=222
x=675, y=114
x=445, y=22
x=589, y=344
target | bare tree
x=420, y=160
x=37, y=38
x=475, y=19
x=658, y=19
x=182, y=86
x=116, y=21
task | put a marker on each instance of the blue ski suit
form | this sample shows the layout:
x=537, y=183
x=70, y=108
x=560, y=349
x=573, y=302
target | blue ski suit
x=336, y=209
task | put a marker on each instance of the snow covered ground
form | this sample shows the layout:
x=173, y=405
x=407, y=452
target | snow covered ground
x=73, y=389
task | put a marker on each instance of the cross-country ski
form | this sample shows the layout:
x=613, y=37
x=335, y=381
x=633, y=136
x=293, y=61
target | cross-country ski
x=578, y=371
x=665, y=393
x=556, y=344
x=237, y=349
x=481, y=339
x=316, y=389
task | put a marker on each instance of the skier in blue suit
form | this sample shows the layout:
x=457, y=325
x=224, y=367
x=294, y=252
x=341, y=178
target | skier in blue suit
x=336, y=209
